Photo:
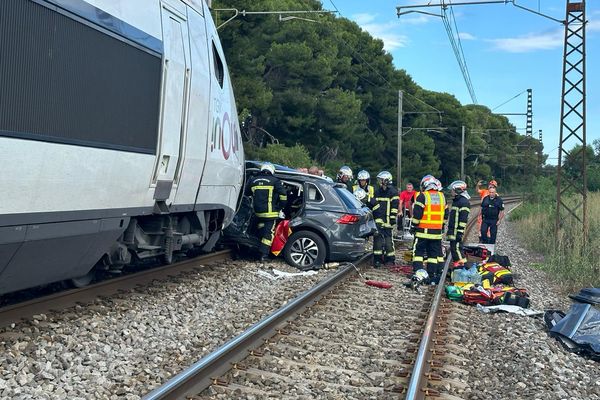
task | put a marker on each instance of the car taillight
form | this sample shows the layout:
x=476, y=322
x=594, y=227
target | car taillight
x=348, y=219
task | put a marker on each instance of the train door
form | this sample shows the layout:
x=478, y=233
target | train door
x=176, y=72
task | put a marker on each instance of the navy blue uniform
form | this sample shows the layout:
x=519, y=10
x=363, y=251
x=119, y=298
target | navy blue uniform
x=490, y=212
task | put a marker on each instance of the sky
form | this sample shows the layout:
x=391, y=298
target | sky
x=507, y=50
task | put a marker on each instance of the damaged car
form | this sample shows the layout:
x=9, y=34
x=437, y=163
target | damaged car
x=323, y=221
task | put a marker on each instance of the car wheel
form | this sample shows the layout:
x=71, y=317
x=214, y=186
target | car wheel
x=305, y=250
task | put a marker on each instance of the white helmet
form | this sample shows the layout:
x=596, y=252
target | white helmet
x=345, y=171
x=438, y=185
x=360, y=194
x=460, y=188
x=429, y=183
x=363, y=175
x=267, y=167
x=384, y=178
x=421, y=275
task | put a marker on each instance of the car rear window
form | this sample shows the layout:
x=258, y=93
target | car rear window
x=348, y=198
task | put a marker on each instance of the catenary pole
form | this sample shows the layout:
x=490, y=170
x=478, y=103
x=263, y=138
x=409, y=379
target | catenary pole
x=399, y=157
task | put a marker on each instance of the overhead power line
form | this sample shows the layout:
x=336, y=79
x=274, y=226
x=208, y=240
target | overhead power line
x=509, y=100
x=453, y=36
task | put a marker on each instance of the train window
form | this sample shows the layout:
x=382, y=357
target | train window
x=66, y=81
x=219, y=71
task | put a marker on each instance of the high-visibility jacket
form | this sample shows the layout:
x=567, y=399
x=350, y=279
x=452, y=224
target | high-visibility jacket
x=268, y=195
x=459, y=215
x=428, y=214
x=369, y=189
x=385, y=206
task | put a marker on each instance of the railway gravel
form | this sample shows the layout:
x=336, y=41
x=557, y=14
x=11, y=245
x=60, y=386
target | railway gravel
x=123, y=346
x=513, y=357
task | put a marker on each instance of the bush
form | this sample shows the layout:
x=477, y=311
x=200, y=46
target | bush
x=573, y=263
x=294, y=157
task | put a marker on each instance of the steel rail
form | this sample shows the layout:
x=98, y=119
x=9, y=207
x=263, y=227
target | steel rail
x=69, y=298
x=203, y=373
x=416, y=389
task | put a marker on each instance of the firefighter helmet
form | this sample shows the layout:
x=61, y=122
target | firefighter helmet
x=429, y=183
x=460, y=188
x=421, y=275
x=267, y=167
x=363, y=175
x=344, y=171
x=360, y=194
x=384, y=178
x=438, y=185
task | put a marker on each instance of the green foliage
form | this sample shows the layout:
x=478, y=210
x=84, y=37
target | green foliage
x=333, y=88
x=295, y=157
x=569, y=260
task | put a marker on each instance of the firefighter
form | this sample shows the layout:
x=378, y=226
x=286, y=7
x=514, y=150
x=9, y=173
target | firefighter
x=363, y=182
x=457, y=221
x=344, y=176
x=269, y=199
x=385, y=212
x=427, y=225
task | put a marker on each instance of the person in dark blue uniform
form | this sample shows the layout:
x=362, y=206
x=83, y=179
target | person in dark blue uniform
x=492, y=213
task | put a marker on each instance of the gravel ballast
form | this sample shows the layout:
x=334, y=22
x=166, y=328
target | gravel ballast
x=514, y=357
x=123, y=346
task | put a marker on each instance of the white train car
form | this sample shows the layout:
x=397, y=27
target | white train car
x=119, y=136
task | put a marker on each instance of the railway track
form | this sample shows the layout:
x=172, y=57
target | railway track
x=340, y=338
x=68, y=298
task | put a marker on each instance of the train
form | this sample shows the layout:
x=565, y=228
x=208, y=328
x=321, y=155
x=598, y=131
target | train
x=119, y=137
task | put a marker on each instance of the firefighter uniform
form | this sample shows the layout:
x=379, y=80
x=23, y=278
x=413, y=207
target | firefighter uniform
x=385, y=212
x=491, y=207
x=457, y=222
x=428, y=222
x=268, y=198
x=370, y=190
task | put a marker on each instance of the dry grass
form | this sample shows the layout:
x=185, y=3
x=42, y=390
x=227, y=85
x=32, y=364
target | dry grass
x=573, y=263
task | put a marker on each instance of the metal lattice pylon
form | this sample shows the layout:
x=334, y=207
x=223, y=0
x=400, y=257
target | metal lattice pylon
x=572, y=120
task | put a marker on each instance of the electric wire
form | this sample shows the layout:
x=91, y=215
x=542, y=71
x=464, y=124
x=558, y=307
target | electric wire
x=359, y=56
x=456, y=44
x=511, y=99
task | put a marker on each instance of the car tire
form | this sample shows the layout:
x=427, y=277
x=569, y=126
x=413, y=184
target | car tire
x=305, y=250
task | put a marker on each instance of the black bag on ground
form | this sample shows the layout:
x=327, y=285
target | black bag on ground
x=516, y=298
x=502, y=260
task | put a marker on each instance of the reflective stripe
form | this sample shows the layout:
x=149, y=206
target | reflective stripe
x=270, y=189
x=375, y=207
x=268, y=215
x=418, y=203
x=465, y=209
x=415, y=221
x=433, y=212
x=267, y=242
x=282, y=197
x=378, y=221
x=417, y=258
x=378, y=252
x=424, y=235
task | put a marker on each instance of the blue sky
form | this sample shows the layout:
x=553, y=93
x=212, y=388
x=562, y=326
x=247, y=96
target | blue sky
x=507, y=51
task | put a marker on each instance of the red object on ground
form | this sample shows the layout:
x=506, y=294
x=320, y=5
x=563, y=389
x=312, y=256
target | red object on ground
x=379, y=284
x=282, y=232
x=402, y=269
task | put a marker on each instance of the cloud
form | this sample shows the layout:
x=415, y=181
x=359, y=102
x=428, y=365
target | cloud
x=383, y=31
x=363, y=18
x=466, y=36
x=416, y=20
x=391, y=40
x=530, y=42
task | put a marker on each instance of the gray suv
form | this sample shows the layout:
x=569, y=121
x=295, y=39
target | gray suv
x=327, y=222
